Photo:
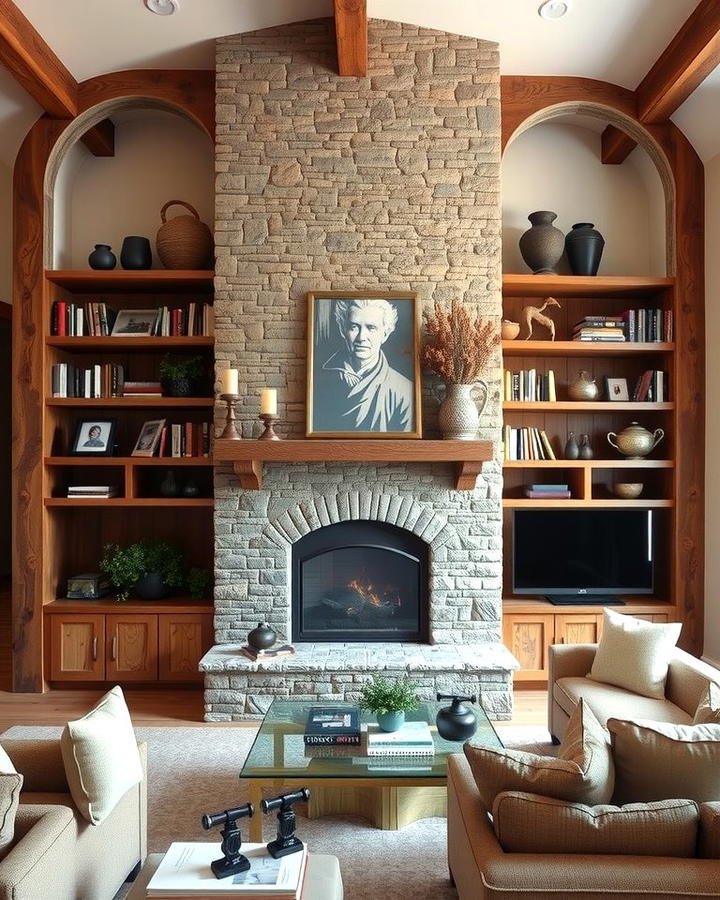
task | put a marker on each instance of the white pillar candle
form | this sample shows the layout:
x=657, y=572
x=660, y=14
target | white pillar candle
x=229, y=381
x=268, y=402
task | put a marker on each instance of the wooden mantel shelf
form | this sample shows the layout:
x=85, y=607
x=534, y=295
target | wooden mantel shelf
x=247, y=457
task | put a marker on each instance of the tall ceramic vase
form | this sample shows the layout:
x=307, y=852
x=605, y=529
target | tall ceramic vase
x=542, y=245
x=584, y=246
x=459, y=416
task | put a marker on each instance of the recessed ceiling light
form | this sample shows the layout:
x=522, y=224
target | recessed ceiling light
x=553, y=9
x=162, y=7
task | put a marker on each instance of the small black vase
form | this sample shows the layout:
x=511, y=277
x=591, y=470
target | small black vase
x=456, y=722
x=262, y=637
x=169, y=486
x=102, y=257
x=151, y=587
x=584, y=247
x=136, y=253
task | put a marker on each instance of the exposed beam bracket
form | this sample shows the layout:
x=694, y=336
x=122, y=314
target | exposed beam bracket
x=351, y=34
x=100, y=140
x=615, y=146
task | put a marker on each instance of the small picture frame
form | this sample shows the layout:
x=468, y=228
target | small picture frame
x=617, y=390
x=94, y=437
x=149, y=438
x=134, y=323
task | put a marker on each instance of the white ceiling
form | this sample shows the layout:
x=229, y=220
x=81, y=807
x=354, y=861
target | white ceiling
x=612, y=40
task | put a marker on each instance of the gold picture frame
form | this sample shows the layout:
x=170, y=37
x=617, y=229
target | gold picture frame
x=363, y=365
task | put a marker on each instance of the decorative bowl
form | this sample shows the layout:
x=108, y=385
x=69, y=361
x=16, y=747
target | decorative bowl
x=509, y=330
x=628, y=490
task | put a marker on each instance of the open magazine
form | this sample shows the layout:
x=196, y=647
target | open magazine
x=185, y=872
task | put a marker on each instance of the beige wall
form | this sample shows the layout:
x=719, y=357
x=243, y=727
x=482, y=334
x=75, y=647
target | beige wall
x=712, y=437
x=556, y=166
x=158, y=157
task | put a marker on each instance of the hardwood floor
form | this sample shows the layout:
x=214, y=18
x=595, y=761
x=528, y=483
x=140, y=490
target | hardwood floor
x=156, y=706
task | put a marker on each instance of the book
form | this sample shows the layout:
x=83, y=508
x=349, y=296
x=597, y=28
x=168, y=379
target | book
x=549, y=487
x=411, y=739
x=333, y=725
x=252, y=653
x=185, y=871
x=547, y=495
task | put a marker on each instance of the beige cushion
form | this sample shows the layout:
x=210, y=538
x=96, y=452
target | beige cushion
x=583, y=773
x=10, y=785
x=529, y=823
x=709, y=834
x=634, y=654
x=606, y=700
x=708, y=709
x=101, y=757
x=658, y=761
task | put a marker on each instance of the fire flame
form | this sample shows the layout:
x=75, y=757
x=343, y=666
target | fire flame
x=376, y=596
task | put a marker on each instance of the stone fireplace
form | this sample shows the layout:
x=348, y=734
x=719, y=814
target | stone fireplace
x=389, y=182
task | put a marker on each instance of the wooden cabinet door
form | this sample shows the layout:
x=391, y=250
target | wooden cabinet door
x=578, y=628
x=527, y=636
x=132, y=642
x=77, y=648
x=183, y=639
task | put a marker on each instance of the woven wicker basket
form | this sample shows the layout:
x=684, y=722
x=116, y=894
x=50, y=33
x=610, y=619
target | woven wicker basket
x=184, y=242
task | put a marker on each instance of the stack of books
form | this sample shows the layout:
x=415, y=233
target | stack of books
x=185, y=871
x=600, y=328
x=526, y=443
x=92, y=491
x=548, y=491
x=411, y=739
x=333, y=726
x=529, y=384
x=142, y=389
x=272, y=653
x=651, y=387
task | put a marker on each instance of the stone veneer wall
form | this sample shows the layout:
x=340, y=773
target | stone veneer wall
x=329, y=183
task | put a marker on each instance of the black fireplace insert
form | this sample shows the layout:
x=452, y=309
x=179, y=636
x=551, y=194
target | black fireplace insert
x=360, y=581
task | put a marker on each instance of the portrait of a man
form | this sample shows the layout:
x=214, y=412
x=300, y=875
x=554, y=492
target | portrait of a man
x=363, y=365
x=93, y=437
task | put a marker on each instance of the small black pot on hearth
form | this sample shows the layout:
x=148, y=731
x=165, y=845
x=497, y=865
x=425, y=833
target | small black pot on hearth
x=456, y=722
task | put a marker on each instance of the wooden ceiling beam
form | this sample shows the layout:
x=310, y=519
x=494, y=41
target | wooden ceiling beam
x=351, y=35
x=36, y=68
x=684, y=64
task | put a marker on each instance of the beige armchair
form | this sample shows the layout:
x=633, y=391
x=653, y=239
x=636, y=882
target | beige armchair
x=57, y=854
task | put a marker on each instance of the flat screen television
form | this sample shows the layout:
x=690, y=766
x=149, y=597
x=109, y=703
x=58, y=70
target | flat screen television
x=585, y=556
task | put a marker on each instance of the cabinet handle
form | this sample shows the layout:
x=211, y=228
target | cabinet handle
x=94, y=648
x=113, y=648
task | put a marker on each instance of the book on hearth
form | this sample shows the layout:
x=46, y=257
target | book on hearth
x=185, y=871
x=333, y=725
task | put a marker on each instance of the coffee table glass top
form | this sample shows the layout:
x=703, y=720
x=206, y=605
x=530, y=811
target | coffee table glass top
x=279, y=749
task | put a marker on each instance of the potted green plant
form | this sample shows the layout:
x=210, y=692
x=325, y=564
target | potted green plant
x=152, y=569
x=183, y=376
x=389, y=700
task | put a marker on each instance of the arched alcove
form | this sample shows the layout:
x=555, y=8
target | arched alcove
x=556, y=165
x=161, y=154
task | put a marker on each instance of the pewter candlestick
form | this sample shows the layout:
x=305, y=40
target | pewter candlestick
x=269, y=433
x=230, y=432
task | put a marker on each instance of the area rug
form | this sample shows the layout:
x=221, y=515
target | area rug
x=194, y=770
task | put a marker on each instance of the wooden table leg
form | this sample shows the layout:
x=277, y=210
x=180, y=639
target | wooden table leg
x=256, y=823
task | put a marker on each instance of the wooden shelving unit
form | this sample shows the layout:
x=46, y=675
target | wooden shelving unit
x=103, y=640
x=531, y=624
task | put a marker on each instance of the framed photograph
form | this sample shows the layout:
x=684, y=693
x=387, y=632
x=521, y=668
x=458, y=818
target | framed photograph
x=149, y=438
x=134, y=323
x=617, y=389
x=363, y=374
x=94, y=437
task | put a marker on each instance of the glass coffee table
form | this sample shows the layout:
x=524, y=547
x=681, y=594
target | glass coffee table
x=391, y=791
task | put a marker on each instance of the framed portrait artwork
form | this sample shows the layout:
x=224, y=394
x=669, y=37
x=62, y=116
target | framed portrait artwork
x=94, y=437
x=363, y=375
x=617, y=389
x=134, y=323
x=149, y=438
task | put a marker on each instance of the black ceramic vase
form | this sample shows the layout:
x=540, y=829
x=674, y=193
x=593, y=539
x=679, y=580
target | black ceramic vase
x=456, y=722
x=169, y=486
x=584, y=246
x=136, y=253
x=151, y=587
x=102, y=257
x=542, y=245
x=262, y=637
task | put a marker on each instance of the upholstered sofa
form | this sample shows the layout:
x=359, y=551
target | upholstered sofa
x=569, y=664
x=56, y=853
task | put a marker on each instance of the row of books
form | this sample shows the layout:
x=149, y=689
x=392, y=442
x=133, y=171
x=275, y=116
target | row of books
x=548, y=491
x=651, y=387
x=526, y=443
x=92, y=491
x=529, y=385
x=184, y=439
x=98, y=380
x=186, y=321
x=649, y=326
x=81, y=319
x=96, y=319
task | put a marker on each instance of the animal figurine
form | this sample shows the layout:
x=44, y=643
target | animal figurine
x=535, y=313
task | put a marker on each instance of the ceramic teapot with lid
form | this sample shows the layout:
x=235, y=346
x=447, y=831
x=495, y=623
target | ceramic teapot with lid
x=635, y=441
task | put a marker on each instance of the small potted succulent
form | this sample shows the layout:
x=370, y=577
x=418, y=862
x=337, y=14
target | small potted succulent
x=152, y=569
x=389, y=700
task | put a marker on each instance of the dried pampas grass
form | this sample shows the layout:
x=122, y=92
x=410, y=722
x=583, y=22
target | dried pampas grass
x=459, y=343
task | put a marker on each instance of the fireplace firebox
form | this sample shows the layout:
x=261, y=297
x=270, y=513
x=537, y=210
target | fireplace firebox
x=360, y=581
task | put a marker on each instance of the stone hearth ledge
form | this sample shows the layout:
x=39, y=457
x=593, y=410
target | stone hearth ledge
x=237, y=688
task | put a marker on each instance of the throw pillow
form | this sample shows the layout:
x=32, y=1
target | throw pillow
x=709, y=835
x=101, y=757
x=659, y=761
x=583, y=773
x=634, y=654
x=527, y=823
x=708, y=709
x=10, y=785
